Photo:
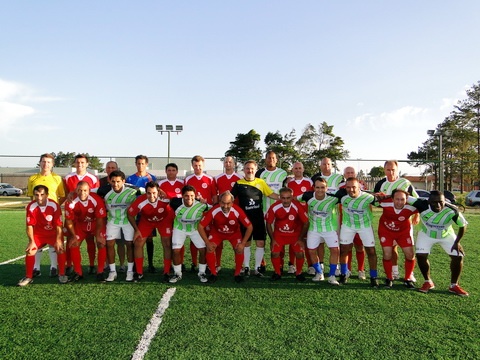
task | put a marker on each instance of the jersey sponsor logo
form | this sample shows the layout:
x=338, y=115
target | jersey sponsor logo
x=204, y=185
x=225, y=229
x=355, y=211
x=436, y=227
x=391, y=226
x=251, y=202
x=48, y=227
x=320, y=213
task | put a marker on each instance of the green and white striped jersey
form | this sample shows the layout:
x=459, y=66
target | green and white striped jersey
x=118, y=203
x=356, y=212
x=187, y=218
x=322, y=214
x=387, y=187
x=275, y=180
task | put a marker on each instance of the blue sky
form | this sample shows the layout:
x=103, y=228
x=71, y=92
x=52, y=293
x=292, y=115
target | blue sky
x=97, y=76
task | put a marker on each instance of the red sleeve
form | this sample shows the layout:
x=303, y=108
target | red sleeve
x=207, y=218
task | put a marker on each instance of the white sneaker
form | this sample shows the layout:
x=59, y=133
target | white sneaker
x=63, y=279
x=218, y=269
x=202, y=277
x=318, y=277
x=311, y=270
x=412, y=278
x=332, y=280
x=361, y=275
x=129, y=277
x=25, y=281
x=175, y=278
x=292, y=269
x=112, y=276
x=396, y=275
x=348, y=274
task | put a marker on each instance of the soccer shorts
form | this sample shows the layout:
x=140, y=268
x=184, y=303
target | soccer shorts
x=425, y=243
x=217, y=239
x=366, y=234
x=259, y=231
x=147, y=227
x=314, y=239
x=401, y=238
x=282, y=241
x=179, y=237
x=115, y=231
x=41, y=241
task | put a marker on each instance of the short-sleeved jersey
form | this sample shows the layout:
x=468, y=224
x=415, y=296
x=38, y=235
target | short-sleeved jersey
x=286, y=221
x=151, y=212
x=356, y=212
x=84, y=213
x=53, y=182
x=187, y=218
x=118, y=203
x=300, y=186
x=44, y=219
x=140, y=181
x=333, y=181
x=322, y=214
x=226, y=182
x=173, y=189
x=395, y=220
x=204, y=185
x=387, y=187
x=225, y=225
x=249, y=195
x=437, y=225
x=71, y=180
x=275, y=179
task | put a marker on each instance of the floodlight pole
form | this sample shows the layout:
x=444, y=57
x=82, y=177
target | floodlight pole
x=168, y=129
x=441, y=164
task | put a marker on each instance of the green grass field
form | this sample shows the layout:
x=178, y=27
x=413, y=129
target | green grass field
x=254, y=320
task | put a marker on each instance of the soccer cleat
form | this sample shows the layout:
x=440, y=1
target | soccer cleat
x=122, y=268
x=337, y=272
x=343, y=279
x=193, y=268
x=332, y=280
x=151, y=269
x=112, y=276
x=409, y=284
x=361, y=275
x=262, y=269
x=457, y=290
x=36, y=273
x=138, y=277
x=427, y=285
x=62, y=279
x=318, y=277
x=53, y=272
x=25, y=281
x=100, y=277
x=129, y=277
x=388, y=283
x=259, y=274
x=75, y=277
x=311, y=270
x=348, y=274
x=69, y=270
x=184, y=268
x=91, y=270
x=166, y=277
x=300, y=277
x=374, y=282
x=239, y=279
x=246, y=271
x=292, y=269
x=218, y=269
x=175, y=278
x=396, y=275
x=212, y=279
x=412, y=278
x=275, y=277
x=202, y=277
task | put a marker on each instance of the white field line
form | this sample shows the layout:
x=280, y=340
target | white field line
x=153, y=325
x=20, y=257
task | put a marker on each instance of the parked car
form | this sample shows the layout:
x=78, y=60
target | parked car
x=423, y=194
x=473, y=198
x=449, y=197
x=9, y=190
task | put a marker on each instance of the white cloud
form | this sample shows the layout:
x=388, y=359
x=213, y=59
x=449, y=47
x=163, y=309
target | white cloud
x=407, y=116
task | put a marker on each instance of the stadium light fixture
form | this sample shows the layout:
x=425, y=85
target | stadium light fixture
x=441, y=164
x=169, y=129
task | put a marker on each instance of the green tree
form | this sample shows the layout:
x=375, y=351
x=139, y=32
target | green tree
x=245, y=147
x=330, y=145
x=284, y=147
x=67, y=159
x=377, y=171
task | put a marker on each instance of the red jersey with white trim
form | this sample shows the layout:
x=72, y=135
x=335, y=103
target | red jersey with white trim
x=395, y=220
x=225, y=182
x=151, y=212
x=287, y=221
x=44, y=219
x=204, y=185
x=71, y=180
x=301, y=186
x=84, y=213
x=225, y=224
x=173, y=189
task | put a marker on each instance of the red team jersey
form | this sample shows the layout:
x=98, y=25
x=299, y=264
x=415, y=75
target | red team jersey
x=84, y=213
x=157, y=215
x=225, y=182
x=71, y=180
x=288, y=221
x=225, y=226
x=204, y=185
x=44, y=220
x=300, y=186
x=395, y=224
x=173, y=189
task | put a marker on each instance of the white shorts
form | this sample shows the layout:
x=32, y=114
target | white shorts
x=314, y=239
x=366, y=235
x=179, y=236
x=424, y=244
x=114, y=231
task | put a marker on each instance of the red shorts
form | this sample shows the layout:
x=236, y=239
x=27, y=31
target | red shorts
x=282, y=241
x=234, y=239
x=163, y=227
x=41, y=241
x=403, y=238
